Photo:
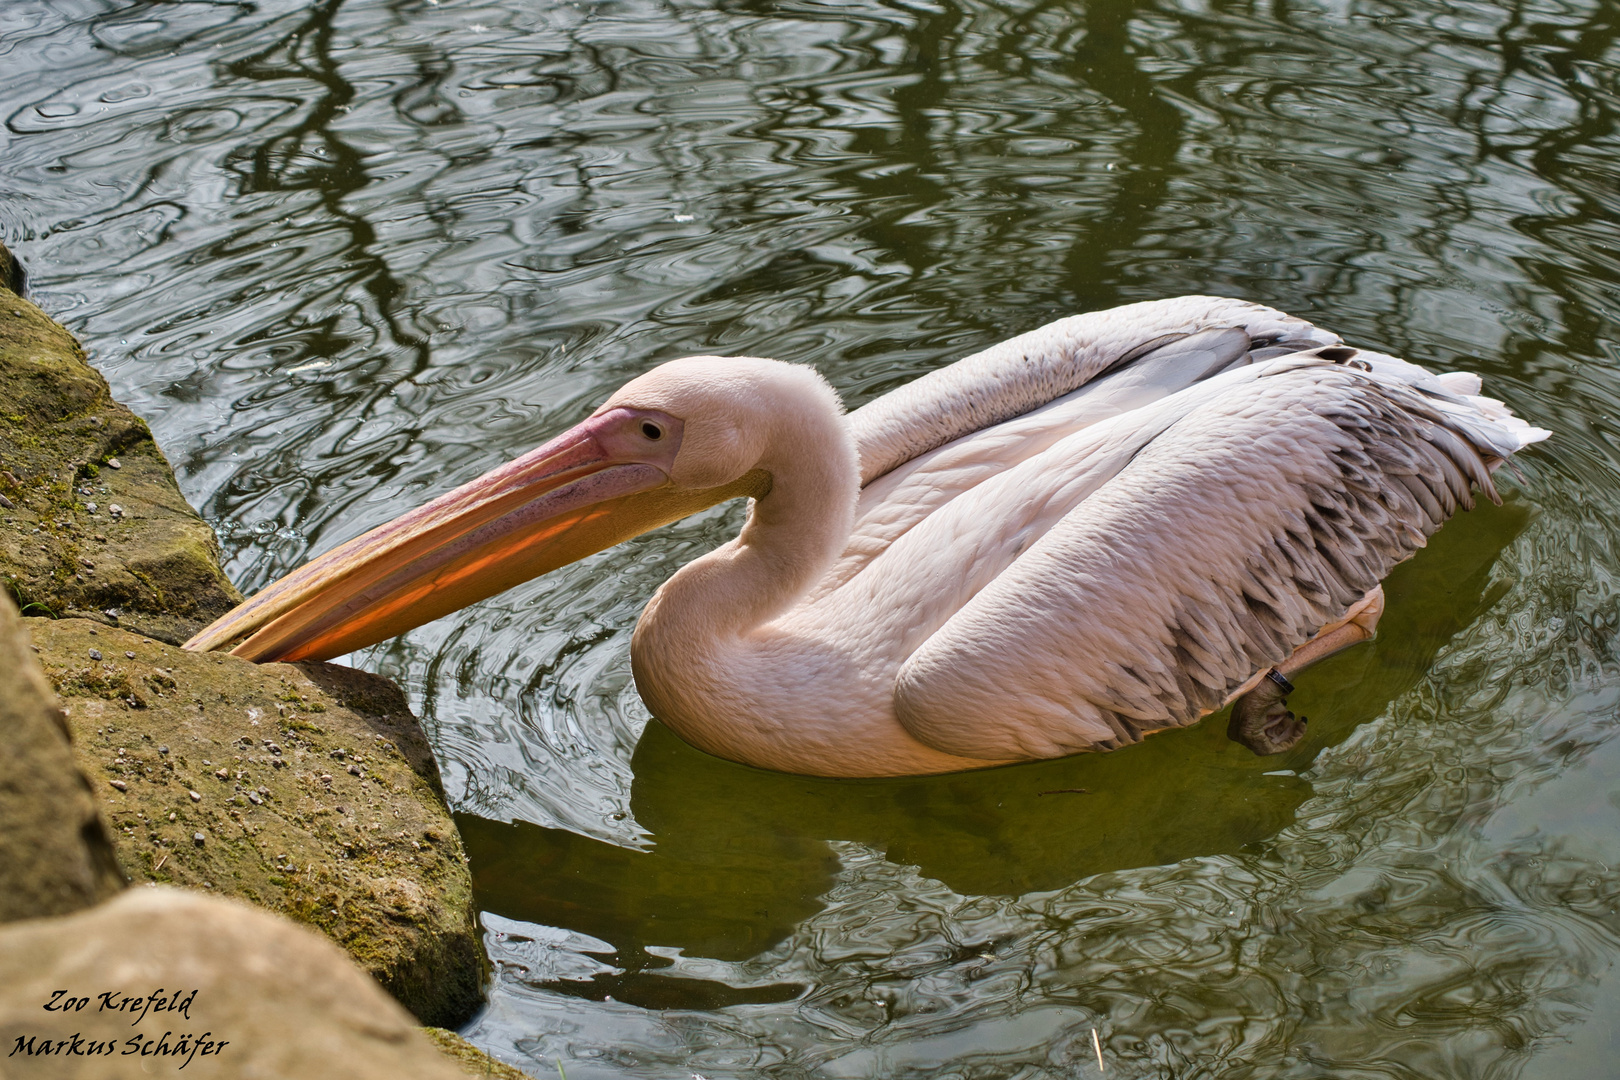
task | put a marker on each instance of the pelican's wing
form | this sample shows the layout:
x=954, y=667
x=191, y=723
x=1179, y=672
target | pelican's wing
x=928, y=442
x=1230, y=537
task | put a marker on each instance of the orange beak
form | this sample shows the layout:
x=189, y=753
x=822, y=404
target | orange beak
x=600, y=483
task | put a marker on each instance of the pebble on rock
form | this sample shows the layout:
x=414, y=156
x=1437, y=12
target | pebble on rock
x=95, y=654
x=120, y=785
x=194, y=796
x=198, y=839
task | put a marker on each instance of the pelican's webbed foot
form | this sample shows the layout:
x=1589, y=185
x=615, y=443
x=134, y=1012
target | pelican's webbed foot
x=1261, y=720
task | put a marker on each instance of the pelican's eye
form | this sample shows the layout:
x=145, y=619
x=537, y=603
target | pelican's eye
x=652, y=430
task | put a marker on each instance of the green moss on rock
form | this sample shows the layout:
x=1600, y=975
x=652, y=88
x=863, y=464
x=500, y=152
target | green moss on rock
x=306, y=788
x=92, y=523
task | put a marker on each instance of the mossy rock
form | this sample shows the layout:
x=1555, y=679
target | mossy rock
x=91, y=521
x=473, y=1061
x=306, y=788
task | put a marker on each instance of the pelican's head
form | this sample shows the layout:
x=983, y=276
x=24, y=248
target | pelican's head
x=683, y=437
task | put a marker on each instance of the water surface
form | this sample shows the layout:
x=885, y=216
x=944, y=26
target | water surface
x=347, y=254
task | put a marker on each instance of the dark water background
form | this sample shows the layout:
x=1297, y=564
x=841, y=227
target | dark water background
x=349, y=253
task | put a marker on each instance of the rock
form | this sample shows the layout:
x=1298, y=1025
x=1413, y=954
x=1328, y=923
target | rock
x=261, y=997
x=156, y=563
x=373, y=861
x=473, y=1061
x=55, y=856
x=371, y=857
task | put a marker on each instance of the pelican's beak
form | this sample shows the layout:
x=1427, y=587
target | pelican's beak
x=602, y=482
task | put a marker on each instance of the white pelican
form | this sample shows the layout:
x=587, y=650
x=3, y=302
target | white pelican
x=1105, y=527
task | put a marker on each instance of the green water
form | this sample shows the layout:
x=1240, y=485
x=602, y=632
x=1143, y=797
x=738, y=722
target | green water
x=349, y=253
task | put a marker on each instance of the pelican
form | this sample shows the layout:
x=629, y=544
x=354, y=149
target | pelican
x=1106, y=527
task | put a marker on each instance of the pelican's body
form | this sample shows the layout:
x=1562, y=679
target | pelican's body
x=1103, y=528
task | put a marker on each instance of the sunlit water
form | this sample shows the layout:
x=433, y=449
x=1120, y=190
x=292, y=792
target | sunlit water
x=347, y=254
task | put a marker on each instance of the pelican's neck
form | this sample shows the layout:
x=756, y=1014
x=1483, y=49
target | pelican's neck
x=703, y=653
x=793, y=532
